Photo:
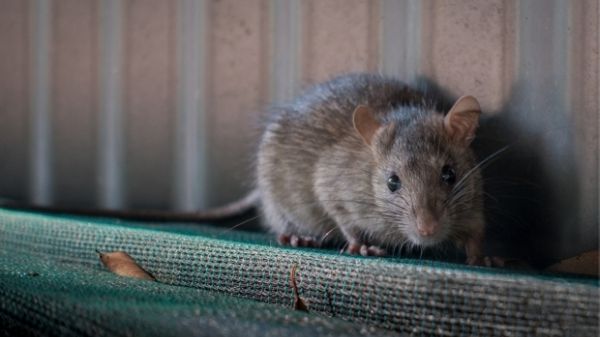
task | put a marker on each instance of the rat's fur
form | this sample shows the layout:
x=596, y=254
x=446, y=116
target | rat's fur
x=318, y=178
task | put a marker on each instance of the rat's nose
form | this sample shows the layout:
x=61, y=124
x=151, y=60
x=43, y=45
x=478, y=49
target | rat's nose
x=427, y=230
x=427, y=225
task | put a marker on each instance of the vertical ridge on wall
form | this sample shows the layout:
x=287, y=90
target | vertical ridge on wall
x=584, y=104
x=110, y=118
x=237, y=86
x=15, y=78
x=41, y=135
x=74, y=102
x=150, y=73
x=538, y=109
x=286, y=46
x=400, y=35
x=190, y=129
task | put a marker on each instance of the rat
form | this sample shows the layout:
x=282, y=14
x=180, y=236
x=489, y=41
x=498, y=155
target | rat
x=363, y=160
x=367, y=160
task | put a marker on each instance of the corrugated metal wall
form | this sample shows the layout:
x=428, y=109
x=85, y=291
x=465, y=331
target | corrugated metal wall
x=156, y=104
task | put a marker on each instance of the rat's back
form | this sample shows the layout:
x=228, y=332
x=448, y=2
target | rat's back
x=328, y=106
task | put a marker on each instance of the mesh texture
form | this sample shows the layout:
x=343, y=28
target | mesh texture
x=220, y=282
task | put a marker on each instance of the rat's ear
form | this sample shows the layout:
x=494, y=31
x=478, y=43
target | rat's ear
x=365, y=123
x=463, y=119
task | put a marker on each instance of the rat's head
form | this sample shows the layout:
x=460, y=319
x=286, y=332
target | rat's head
x=426, y=181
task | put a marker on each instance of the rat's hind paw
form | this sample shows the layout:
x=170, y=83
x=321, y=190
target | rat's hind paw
x=364, y=250
x=298, y=241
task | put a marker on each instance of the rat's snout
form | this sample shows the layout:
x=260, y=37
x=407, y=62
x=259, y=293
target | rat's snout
x=427, y=224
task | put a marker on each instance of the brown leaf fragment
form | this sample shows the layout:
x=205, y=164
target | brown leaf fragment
x=298, y=302
x=583, y=264
x=122, y=264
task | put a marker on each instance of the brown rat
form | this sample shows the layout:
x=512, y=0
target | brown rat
x=366, y=160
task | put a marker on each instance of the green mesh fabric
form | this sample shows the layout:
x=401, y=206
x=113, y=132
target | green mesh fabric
x=45, y=297
x=220, y=282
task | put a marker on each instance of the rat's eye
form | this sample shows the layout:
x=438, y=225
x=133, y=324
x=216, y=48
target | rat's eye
x=393, y=183
x=448, y=175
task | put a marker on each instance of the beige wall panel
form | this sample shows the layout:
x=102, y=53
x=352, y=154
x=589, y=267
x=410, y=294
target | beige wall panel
x=74, y=100
x=339, y=36
x=149, y=101
x=237, y=88
x=468, y=48
x=14, y=101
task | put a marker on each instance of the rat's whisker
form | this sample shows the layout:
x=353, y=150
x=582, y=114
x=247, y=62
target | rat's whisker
x=327, y=233
x=241, y=223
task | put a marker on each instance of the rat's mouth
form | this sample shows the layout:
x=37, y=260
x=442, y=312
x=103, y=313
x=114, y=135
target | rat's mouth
x=425, y=241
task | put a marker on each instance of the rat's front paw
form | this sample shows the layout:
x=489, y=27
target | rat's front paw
x=364, y=250
x=298, y=241
x=487, y=261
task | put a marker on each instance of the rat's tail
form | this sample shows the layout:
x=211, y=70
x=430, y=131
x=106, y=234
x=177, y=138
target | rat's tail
x=228, y=211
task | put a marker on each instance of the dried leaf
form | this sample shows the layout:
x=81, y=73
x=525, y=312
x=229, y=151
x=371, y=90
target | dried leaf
x=299, y=304
x=122, y=264
x=584, y=264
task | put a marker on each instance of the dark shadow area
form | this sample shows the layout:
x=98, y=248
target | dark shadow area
x=531, y=188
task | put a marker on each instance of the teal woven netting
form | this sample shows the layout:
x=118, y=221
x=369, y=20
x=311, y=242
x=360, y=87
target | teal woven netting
x=218, y=282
